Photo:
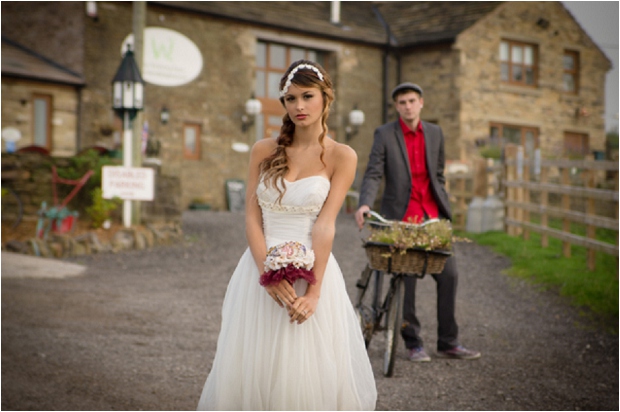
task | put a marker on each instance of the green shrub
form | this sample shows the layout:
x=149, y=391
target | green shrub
x=79, y=166
x=491, y=152
x=101, y=208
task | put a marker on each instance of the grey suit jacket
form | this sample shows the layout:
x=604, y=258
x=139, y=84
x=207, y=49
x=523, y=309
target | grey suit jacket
x=389, y=159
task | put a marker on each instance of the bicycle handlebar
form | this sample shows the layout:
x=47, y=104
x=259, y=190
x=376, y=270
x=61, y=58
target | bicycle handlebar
x=373, y=214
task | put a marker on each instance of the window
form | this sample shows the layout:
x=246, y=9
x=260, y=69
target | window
x=519, y=63
x=272, y=60
x=576, y=145
x=191, y=141
x=527, y=137
x=42, y=124
x=570, y=63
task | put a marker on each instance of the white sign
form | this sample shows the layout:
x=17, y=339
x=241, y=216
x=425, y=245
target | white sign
x=170, y=58
x=128, y=183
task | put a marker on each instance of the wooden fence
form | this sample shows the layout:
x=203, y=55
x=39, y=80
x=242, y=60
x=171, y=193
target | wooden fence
x=580, y=191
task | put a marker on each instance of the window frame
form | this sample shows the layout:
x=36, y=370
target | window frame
x=523, y=129
x=523, y=66
x=188, y=154
x=575, y=72
x=49, y=100
x=584, y=145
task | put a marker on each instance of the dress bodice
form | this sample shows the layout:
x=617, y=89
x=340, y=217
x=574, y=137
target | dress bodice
x=293, y=217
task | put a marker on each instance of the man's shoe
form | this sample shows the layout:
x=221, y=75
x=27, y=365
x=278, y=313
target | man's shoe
x=459, y=352
x=418, y=355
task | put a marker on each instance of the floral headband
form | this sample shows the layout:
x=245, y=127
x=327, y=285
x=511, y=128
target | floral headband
x=292, y=74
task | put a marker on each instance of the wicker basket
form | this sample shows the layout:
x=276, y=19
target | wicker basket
x=414, y=261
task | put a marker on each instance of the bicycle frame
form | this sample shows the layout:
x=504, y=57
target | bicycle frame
x=382, y=313
x=380, y=308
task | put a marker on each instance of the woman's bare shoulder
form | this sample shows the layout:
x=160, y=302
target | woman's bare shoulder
x=341, y=157
x=264, y=147
x=343, y=153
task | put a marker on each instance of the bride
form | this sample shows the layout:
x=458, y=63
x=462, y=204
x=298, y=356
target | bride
x=294, y=343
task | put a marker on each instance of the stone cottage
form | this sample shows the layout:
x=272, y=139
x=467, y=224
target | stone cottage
x=493, y=72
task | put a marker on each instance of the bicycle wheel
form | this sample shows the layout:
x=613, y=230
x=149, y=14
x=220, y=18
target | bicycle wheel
x=393, y=323
x=363, y=304
x=12, y=207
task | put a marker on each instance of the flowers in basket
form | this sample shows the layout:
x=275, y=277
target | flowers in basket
x=435, y=234
x=289, y=260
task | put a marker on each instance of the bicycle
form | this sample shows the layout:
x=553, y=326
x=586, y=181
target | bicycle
x=376, y=312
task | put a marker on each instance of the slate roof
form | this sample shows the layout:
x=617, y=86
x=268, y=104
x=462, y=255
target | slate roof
x=410, y=22
x=358, y=21
x=21, y=62
x=421, y=22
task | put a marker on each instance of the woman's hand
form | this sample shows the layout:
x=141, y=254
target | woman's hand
x=303, y=308
x=283, y=293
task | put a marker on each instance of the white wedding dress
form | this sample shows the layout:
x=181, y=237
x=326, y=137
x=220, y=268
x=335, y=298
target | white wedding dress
x=263, y=362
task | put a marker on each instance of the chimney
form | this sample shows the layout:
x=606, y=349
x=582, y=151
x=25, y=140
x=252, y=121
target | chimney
x=335, y=17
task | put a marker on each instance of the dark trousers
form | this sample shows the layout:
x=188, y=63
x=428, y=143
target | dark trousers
x=447, y=331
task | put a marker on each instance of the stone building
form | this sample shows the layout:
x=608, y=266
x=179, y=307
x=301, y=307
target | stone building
x=493, y=72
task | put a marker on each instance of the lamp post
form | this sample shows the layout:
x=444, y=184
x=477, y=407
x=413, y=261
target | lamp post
x=127, y=100
x=253, y=107
x=356, y=119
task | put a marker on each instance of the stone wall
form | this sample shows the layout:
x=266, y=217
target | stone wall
x=358, y=79
x=485, y=99
x=435, y=69
x=65, y=245
x=31, y=178
x=17, y=112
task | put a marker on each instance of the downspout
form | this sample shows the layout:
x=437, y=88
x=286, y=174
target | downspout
x=335, y=12
x=390, y=44
x=78, y=140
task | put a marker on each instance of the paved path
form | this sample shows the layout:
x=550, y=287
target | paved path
x=137, y=330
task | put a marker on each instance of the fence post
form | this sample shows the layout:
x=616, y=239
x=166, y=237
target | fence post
x=481, y=178
x=519, y=190
x=544, y=203
x=526, y=197
x=590, y=179
x=510, y=153
x=462, y=204
x=566, y=206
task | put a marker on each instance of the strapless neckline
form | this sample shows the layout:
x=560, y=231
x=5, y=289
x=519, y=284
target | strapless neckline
x=307, y=177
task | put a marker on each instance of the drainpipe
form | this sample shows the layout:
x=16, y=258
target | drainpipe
x=335, y=14
x=389, y=46
x=78, y=137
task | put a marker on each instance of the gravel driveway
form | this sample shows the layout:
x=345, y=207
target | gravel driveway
x=138, y=331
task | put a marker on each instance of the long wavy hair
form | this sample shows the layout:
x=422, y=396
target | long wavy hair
x=274, y=167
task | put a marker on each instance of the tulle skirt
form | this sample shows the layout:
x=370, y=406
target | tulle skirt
x=263, y=362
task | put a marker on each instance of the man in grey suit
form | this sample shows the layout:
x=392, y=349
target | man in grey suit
x=409, y=154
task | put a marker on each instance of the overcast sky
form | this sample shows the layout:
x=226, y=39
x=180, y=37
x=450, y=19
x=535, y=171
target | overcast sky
x=600, y=20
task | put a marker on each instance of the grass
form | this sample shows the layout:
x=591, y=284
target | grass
x=595, y=290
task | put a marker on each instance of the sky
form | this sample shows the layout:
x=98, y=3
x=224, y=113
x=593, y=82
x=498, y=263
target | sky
x=600, y=20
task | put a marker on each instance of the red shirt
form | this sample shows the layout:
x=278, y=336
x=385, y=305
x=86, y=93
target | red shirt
x=421, y=201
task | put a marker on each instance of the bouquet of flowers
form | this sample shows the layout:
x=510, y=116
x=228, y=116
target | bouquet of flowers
x=290, y=261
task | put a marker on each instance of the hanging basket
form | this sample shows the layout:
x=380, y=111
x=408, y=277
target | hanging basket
x=386, y=258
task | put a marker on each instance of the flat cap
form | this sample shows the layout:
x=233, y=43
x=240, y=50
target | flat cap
x=406, y=86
